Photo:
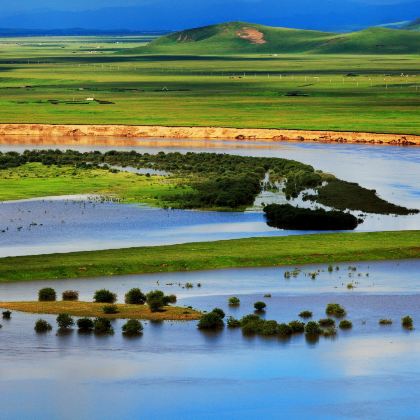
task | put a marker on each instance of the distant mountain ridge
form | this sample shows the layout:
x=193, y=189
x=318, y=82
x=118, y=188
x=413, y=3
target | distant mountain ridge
x=248, y=38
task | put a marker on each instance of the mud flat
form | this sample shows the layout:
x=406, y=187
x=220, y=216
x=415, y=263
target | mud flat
x=209, y=133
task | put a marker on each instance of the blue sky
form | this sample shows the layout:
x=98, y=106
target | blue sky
x=179, y=14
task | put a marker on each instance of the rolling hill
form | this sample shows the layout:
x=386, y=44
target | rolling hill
x=248, y=38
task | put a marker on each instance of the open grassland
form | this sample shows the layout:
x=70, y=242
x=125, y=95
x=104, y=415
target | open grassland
x=48, y=81
x=91, y=309
x=34, y=180
x=253, y=252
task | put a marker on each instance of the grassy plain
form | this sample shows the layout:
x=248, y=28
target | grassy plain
x=91, y=309
x=47, y=80
x=252, y=252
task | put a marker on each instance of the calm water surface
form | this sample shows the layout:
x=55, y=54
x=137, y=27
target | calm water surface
x=175, y=371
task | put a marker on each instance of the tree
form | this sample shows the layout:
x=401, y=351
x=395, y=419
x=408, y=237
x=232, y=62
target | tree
x=156, y=300
x=85, y=324
x=47, y=295
x=42, y=326
x=132, y=327
x=64, y=321
x=104, y=296
x=260, y=306
x=210, y=321
x=102, y=326
x=135, y=297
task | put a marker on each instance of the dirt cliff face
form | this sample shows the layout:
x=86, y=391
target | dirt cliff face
x=208, y=133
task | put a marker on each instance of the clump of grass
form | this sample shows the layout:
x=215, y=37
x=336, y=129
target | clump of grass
x=71, y=295
x=334, y=309
x=329, y=332
x=407, y=322
x=345, y=324
x=47, y=295
x=305, y=314
x=110, y=309
x=385, y=322
x=234, y=301
x=42, y=326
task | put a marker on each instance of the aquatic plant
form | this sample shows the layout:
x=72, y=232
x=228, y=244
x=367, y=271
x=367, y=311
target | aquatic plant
x=132, y=327
x=234, y=301
x=210, y=321
x=47, y=295
x=407, y=322
x=71, y=295
x=110, y=309
x=335, y=309
x=385, y=322
x=85, y=324
x=306, y=314
x=329, y=332
x=312, y=328
x=284, y=330
x=345, y=324
x=260, y=306
x=102, y=326
x=233, y=322
x=297, y=326
x=219, y=311
x=7, y=315
x=269, y=328
x=64, y=321
x=135, y=297
x=326, y=322
x=104, y=296
x=42, y=326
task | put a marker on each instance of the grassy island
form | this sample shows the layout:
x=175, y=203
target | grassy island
x=91, y=309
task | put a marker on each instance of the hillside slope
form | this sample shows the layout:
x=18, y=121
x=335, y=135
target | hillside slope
x=247, y=38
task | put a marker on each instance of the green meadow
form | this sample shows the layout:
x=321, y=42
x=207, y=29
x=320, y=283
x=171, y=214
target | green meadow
x=48, y=79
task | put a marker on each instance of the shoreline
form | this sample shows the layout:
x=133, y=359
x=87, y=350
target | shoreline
x=77, y=132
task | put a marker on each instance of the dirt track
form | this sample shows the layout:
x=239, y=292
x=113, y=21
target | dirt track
x=240, y=134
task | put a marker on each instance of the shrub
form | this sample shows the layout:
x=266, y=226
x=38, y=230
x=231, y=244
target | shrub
x=297, y=326
x=110, y=309
x=385, y=322
x=104, y=296
x=85, y=324
x=155, y=300
x=189, y=285
x=219, y=311
x=64, y=321
x=47, y=295
x=249, y=318
x=345, y=324
x=407, y=322
x=312, y=328
x=132, y=327
x=70, y=295
x=233, y=322
x=252, y=327
x=135, y=297
x=269, y=328
x=170, y=299
x=326, y=322
x=306, y=314
x=7, y=315
x=260, y=306
x=102, y=326
x=334, y=309
x=329, y=332
x=210, y=321
x=234, y=301
x=284, y=330
x=42, y=326
x=267, y=295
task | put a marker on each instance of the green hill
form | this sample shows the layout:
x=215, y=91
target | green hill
x=248, y=38
x=414, y=25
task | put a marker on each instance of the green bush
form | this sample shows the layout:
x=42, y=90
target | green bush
x=104, y=296
x=85, y=324
x=284, y=330
x=326, y=322
x=219, y=311
x=407, y=322
x=334, y=309
x=156, y=300
x=269, y=328
x=305, y=314
x=233, y=322
x=210, y=321
x=329, y=332
x=312, y=328
x=297, y=327
x=42, y=326
x=47, y=295
x=345, y=324
x=102, y=326
x=249, y=318
x=252, y=327
x=7, y=315
x=234, y=301
x=70, y=295
x=135, y=297
x=64, y=321
x=260, y=306
x=110, y=309
x=170, y=299
x=132, y=327
x=385, y=322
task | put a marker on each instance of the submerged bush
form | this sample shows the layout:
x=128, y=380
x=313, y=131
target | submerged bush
x=329, y=332
x=104, y=296
x=42, y=326
x=260, y=306
x=70, y=295
x=234, y=301
x=85, y=324
x=269, y=328
x=64, y=321
x=219, y=311
x=407, y=322
x=102, y=326
x=306, y=314
x=313, y=328
x=385, y=322
x=326, y=322
x=297, y=327
x=110, y=309
x=345, y=324
x=135, y=297
x=334, y=309
x=233, y=322
x=284, y=330
x=252, y=326
x=47, y=295
x=210, y=321
x=7, y=315
x=132, y=327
